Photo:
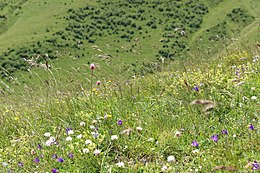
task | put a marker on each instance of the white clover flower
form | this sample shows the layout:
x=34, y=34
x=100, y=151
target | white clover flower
x=97, y=152
x=69, y=138
x=52, y=139
x=47, y=134
x=120, y=164
x=139, y=129
x=82, y=123
x=85, y=150
x=171, y=159
x=88, y=142
x=94, y=122
x=164, y=168
x=92, y=127
x=195, y=151
x=253, y=98
x=48, y=143
x=150, y=139
x=177, y=134
x=79, y=136
x=4, y=164
x=114, y=137
x=70, y=132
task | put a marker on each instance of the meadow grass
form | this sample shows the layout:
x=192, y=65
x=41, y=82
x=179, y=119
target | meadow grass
x=191, y=117
x=131, y=113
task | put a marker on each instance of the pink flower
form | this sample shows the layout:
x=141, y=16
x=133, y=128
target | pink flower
x=92, y=66
x=98, y=82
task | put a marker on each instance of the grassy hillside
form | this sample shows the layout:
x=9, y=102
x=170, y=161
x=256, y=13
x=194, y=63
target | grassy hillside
x=175, y=87
x=78, y=32
x=192, y=117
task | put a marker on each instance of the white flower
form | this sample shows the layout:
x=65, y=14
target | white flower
x=79, y=136
x=47, y=134
x=114, y=137
x=97, y=152
x=48, y=143
x=69, y=138
x=120, y=164
x=150, y=139
x=88, y=142
x=94, y=121
x=82, y=123
x=85, y=150
x=52, y=139
x=4, y=164
x=171, y=159
x=177, y=134
x=195, y=151
x=253, y=98
x=139, y=129
x=164, y=168
x=70, y=132
x=92, y=127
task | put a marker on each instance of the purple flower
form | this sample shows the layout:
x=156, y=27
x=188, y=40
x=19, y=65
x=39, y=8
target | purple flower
x=20, y=164
x=225, y=132
x=39, y=146
x=53, y=170
x=195, y=143
x=214, y=138
x=255, y=165
x=68, y=129
x=71, y=155
x=54, y=156
x=196, y=88
x=60, y=160
x=36, y=160
x=251, y=127
x=119, y=122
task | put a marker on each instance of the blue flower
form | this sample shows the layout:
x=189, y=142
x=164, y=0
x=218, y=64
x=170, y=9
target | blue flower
x=225, y=132
x=68, y=129
x=71, y=155
x=251, y=127
x=255, y=165
x=214, y=138
x=119, y=122
x=53, y=170
x=39, y=146
x=196, y=88
x=195, y=143
x=20, y=164
x=60, y=160
x=36, y=160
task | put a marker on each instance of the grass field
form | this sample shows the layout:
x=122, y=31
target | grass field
x=156, y=100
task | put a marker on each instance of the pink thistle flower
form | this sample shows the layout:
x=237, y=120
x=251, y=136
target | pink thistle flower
x=98, y=82
x=92, y=66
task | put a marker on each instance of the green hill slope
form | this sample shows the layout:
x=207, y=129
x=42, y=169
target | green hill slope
x=121, y=32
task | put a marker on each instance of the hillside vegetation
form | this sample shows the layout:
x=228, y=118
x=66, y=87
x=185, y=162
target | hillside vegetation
x=129, y=86
x=119, y=32
x=195, y=119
